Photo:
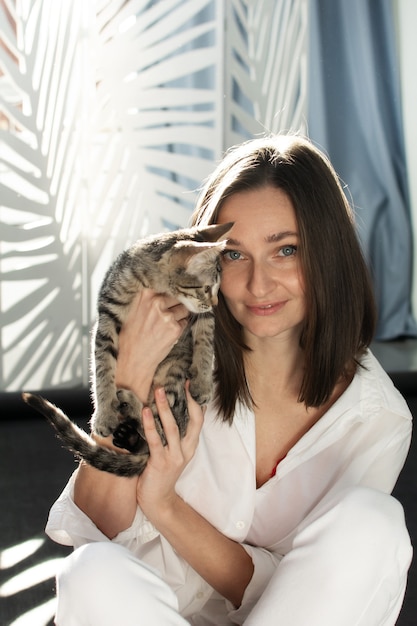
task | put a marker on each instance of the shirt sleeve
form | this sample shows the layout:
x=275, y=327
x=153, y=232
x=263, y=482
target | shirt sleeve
x=70, y=526
x=386, y=457
x=265, y=563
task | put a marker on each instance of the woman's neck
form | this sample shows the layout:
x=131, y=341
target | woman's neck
x=279, y=363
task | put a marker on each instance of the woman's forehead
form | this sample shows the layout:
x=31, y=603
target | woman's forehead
x=268, y=209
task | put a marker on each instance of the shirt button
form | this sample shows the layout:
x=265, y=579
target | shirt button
x=240, y=525
x=200, y=595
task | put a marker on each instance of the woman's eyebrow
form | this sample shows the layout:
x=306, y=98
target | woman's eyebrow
x=279, y=236
x=274, y=238
x=232, y=242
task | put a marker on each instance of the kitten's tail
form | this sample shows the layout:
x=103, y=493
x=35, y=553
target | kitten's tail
x=83, y=446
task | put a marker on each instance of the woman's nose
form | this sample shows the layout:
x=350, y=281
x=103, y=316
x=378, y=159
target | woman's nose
x=260, y=280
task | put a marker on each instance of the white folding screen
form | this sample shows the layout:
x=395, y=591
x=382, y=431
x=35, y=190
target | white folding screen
x=111, y=115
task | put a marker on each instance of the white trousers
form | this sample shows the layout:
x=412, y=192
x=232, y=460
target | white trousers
x=348, y=567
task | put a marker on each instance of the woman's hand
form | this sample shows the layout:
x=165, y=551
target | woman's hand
x=153, y=325
x=222, y=562
x=156, y=486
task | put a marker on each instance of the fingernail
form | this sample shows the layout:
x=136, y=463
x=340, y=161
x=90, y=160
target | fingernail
x=160, y=392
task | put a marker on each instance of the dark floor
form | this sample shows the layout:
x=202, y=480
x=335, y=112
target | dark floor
x=33, y=471
x=34, y=468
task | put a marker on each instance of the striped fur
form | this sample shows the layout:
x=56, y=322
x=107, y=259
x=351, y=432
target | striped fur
x=183, y=264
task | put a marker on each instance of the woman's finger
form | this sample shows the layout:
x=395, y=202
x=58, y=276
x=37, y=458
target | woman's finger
x=196, y=414
x=180, y=449
x=178, y=311
x=169, y=424
x=150, y=431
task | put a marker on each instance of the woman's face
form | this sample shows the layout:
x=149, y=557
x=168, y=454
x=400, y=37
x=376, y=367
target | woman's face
x=261, y=275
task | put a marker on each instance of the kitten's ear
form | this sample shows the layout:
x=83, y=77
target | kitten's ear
x=214, y=231
x=200, y=257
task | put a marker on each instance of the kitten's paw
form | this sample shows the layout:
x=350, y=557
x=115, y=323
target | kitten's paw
x=127, y=436
x=129, y=406
x=200, y=393
x=105, y=419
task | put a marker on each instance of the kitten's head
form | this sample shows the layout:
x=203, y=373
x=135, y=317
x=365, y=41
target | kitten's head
x=193, y=265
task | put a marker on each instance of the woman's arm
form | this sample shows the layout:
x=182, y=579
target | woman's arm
x=222, y=562
x=153, y=325
x=108, y=500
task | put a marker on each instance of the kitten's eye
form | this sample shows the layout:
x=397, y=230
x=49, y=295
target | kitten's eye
x=287, y=251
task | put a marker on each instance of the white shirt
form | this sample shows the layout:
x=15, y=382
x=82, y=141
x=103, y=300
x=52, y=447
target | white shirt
x=363, y=439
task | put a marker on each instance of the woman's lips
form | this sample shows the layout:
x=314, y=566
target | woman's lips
x=266, y=309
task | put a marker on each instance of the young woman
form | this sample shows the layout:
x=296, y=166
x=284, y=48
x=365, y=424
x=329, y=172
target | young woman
x=275, y=507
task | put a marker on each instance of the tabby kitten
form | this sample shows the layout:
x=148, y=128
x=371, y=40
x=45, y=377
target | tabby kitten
x=184, y=264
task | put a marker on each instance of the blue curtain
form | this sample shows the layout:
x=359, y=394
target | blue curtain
x=355, y=116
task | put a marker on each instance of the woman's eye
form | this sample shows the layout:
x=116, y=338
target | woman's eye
x=287, y=251
x=231, y=255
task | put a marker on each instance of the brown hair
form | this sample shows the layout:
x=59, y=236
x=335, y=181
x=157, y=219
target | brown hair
x=340, y=319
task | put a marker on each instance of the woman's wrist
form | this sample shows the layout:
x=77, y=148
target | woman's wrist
x=162, y=513
x=140, y=386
